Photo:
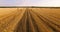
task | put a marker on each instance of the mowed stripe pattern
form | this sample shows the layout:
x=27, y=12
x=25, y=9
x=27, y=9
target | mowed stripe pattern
x=39, y=20
x=34, y=20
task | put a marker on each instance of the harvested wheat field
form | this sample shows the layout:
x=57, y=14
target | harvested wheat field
x=29, y=19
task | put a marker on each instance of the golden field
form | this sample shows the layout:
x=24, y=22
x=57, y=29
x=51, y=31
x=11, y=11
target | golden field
x=29, y=19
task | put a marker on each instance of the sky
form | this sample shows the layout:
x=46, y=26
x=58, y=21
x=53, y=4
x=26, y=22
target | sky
x=55, y=3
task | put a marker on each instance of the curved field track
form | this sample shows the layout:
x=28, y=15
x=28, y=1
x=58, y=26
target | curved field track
x=29, y=19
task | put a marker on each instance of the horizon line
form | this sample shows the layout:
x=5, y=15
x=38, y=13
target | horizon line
x=29, y=7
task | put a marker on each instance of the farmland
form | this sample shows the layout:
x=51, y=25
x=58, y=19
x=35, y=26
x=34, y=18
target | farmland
x=29, y=19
